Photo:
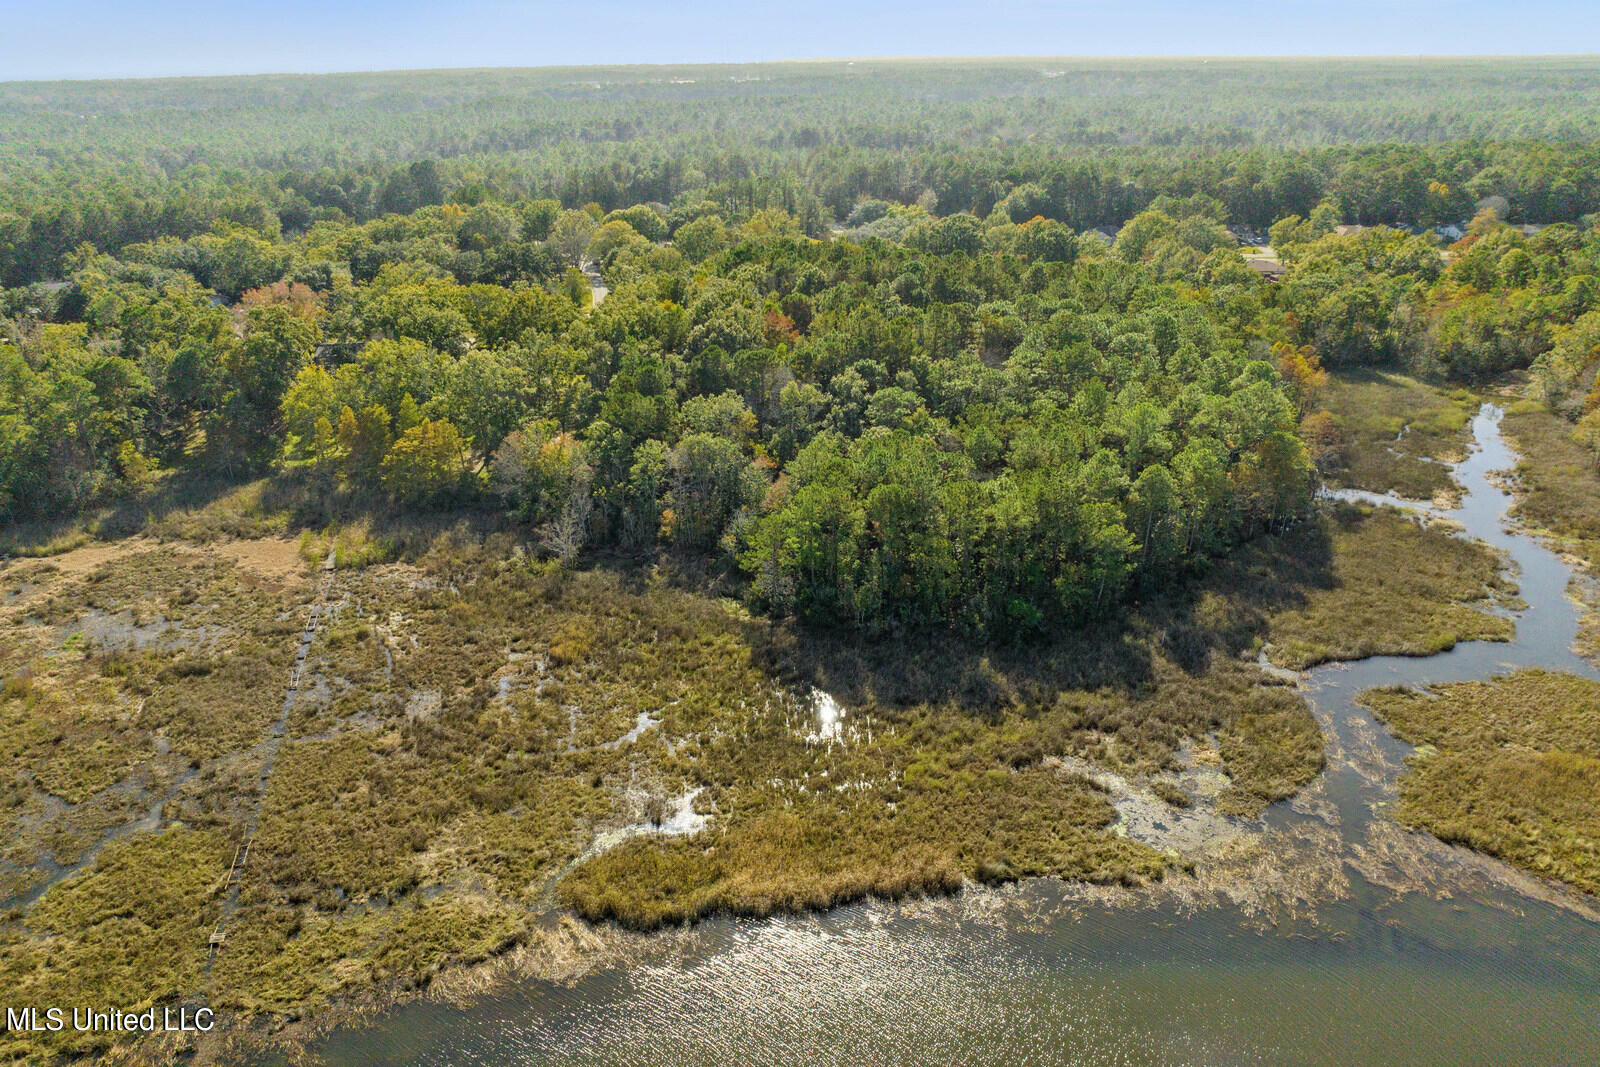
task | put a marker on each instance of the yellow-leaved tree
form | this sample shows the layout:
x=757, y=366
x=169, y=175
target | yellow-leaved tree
x=427, y=462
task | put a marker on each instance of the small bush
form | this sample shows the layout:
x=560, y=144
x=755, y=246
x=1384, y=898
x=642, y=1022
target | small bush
x=1171, y=794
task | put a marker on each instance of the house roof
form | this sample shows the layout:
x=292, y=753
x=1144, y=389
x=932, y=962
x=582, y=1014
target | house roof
x=1269, y=269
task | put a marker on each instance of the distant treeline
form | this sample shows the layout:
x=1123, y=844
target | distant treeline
x=1087, y=144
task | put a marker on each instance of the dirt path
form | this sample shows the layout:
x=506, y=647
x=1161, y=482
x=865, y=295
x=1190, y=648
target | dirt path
x=77, y=562
x=597, y=285
x=277, y=558
x=271, y=557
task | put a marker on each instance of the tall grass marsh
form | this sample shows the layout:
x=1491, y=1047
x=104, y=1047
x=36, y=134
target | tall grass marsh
x=1510, y=766
x=1557, y=481
x=1557, y=487
x=480, y=740
x=1396, y=433
x=1369, y=582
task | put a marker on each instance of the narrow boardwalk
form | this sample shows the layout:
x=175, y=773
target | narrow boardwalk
x=241, y=855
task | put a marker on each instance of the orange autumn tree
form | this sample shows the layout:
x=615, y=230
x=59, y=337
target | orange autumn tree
x=1302, y=370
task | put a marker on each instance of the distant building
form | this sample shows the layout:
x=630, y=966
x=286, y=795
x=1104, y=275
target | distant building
x=1348, y=230
x=1450, y=232
x=1270, y=269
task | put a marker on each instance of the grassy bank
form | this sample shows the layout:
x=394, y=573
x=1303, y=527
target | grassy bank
x=1558, y=496
x=1510, y=767
x=1396, y=433
x=1558, y=482
x=1365, y=582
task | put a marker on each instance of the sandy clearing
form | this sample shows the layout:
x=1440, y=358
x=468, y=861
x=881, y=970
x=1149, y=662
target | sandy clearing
x=271, y=557
x=277, y=558
x=80, y=561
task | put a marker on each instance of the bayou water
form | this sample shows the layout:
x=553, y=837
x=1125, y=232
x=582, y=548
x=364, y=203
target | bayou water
x=1332, y=935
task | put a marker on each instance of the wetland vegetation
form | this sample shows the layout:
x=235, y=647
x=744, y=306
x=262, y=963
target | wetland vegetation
x=374, y=599
x=1509, y=766
x=469, y=754
x=1396, y=435
x=1558, y=490
x=1385, y=585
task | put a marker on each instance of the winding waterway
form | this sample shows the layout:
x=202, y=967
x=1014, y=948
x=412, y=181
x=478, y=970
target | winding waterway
x=1326, y=935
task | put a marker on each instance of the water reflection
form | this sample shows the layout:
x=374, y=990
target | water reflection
x=952, y=984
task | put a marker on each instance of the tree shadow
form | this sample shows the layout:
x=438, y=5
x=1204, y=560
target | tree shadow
x=1223, y=612
x=127, y=516
x=182, y=490
x=291, y=502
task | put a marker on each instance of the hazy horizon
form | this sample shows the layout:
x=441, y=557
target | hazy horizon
x=93, y=39
x=1419, y=57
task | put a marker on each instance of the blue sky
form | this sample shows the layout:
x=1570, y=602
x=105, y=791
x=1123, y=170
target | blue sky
x=104, y=38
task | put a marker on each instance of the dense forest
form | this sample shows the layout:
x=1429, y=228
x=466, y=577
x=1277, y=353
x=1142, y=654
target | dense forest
x=868, y=353
x=1087, y=143
x=911, y=432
